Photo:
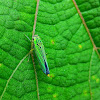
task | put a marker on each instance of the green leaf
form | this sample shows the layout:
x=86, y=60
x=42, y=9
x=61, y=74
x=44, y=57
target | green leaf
x=73, y=62
x=16, y=19
x=91, y=13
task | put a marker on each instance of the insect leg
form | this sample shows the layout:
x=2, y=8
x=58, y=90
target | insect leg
x=28, y=58
x=31, y=50
x=29, y=54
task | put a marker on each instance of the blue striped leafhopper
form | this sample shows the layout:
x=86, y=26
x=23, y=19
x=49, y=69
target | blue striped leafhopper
x=40, y=53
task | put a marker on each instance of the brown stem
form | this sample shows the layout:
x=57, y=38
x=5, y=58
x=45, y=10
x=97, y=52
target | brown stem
x=83, y=21
x=34, y=26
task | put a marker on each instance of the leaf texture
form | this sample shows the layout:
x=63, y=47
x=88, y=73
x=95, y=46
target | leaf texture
x=74, y=64
x=91, y=13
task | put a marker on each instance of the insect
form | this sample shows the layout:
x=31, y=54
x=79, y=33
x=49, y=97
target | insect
x=40, y=53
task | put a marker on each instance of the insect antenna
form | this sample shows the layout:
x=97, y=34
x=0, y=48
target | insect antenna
x=28, y=38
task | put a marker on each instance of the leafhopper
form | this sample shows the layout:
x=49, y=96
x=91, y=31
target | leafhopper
x=40, y=53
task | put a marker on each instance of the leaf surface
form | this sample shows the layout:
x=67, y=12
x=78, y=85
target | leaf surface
x=74, y=64
x=91, y=13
